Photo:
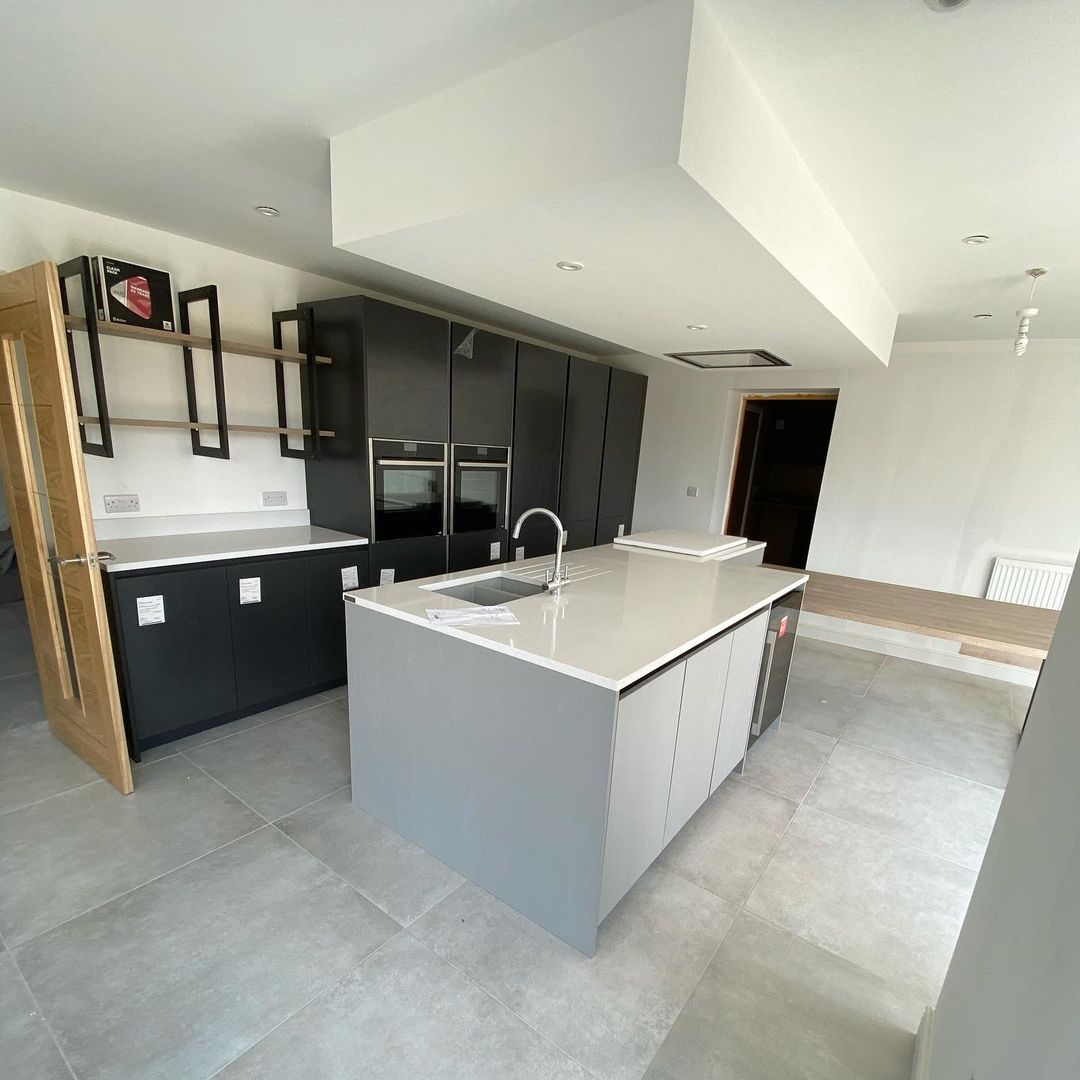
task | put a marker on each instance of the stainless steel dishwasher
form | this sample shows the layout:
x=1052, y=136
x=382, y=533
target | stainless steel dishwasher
x=776, y=662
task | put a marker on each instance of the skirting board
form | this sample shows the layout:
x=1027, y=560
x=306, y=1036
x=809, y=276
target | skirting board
x=920, y=1066
x=927, y=650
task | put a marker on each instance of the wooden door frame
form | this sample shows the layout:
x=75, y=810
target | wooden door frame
x=88, y=719
x=747, y=396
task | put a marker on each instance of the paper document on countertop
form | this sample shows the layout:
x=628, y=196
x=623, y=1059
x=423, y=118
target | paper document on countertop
x=474, y=616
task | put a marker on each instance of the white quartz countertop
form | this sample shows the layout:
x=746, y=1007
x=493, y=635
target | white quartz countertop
x=623, y=614
x=145, y=552
x=683, y=541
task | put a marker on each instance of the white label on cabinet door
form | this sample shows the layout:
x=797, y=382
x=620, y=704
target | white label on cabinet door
x=151, y=610
x=496, y=551
x=251, y=590
x=519, y=553
x=386, y=576
x=350, y=578
x=622, y=530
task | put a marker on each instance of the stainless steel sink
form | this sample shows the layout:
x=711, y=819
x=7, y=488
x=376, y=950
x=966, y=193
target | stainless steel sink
x=491, y=590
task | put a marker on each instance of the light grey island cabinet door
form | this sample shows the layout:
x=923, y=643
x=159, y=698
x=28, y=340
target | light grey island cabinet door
x=699, y=726
x=645, y=730
x=747, y=646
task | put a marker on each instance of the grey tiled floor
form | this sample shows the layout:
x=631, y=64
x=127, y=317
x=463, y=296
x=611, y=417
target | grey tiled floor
x=237, y=916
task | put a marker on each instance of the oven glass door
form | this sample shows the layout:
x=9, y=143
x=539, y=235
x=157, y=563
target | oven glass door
x=479, y=497
x=409, y=499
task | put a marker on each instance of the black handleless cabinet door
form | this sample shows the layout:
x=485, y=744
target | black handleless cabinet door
x=337, y=483
x=473, y=549
x=329, y=576
x=268, y=607
x=622, y=444
x=178, y=665
x=539, y=407
x=407, y=365
x=583, y=445
x=408, y=559
x=481, y=386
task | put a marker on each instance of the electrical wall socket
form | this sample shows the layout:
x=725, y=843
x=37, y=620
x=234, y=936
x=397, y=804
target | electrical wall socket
x=121, y=504
x=275, y=498
x=691, y=492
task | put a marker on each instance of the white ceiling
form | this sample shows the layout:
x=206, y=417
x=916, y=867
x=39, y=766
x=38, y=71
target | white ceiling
x=185, y=116
x=920, y=128
x=923, y=128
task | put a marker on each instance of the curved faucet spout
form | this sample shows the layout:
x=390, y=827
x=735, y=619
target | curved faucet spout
x=559, y=575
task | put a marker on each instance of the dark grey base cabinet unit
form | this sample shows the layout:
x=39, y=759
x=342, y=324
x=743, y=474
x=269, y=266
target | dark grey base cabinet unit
x=237, y=638
x=424, y=556
x=266, y=599
x=477, y=549
x=179, y=672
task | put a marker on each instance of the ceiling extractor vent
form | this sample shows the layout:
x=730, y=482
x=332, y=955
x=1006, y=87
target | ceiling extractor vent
x=717, y=359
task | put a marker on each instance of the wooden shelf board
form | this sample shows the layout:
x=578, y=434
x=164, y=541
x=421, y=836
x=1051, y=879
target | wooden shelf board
x=166, y=337
x=981, y=626
x=203, y=425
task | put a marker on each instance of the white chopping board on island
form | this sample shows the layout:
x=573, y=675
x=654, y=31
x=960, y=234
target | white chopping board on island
x=683, y=541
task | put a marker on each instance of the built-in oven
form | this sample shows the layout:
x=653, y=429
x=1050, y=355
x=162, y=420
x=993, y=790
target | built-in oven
x=408, y=489
x=481, y=488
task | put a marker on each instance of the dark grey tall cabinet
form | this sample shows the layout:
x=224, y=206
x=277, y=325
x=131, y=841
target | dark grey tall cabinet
x=583, y=449
x=622, y=447
x=539, y=408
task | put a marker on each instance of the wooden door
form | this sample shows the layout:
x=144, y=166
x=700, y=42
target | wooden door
x=52, y=525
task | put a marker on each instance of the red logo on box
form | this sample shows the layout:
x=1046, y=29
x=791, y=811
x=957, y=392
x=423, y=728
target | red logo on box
x=783, y=627
x=134, y=294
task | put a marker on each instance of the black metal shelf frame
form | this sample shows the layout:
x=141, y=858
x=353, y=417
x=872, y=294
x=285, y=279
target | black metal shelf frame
x=80, y=268
x=185, y=299
x=309, y=402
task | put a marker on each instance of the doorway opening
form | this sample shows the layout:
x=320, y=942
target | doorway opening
x=776, y=478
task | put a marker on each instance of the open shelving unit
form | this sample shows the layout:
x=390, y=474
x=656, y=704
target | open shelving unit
x=95, y=329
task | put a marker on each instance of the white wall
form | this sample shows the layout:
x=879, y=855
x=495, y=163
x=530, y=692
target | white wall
x=1009, y=1005
x=147, y=380
x=951, y=455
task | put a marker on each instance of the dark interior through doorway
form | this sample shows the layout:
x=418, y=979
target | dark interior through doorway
x=779, y=463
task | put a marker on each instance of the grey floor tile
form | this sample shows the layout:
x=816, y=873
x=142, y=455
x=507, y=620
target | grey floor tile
x=35, y=764
x=953, y=746
x=60, y=857
x=1020, y=697
x=774, y=1007
x=404, y=1014
x=16, y=652
x=883, y=905
x=279, y=767
x=818, y=706
x=391, y=872
x=835, y=665
x=786, y=760
x=725, y=845
x=610, y=1012
x=177, y=978
x=27, y=1050
x=945, y=694
x=942, y=814
x=246, y=723
x=20, y=701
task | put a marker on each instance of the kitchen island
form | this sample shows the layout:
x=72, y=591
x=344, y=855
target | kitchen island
x=551, y=761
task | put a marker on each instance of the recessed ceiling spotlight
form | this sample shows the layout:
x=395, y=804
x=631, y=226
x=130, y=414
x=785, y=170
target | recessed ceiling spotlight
x=976, y=238
x=564, y=264
x=983, y=315
x=696, y=326
x=945, y=5
x=267, y=211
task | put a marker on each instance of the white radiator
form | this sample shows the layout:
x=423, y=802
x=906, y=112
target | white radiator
x=1033, y=583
